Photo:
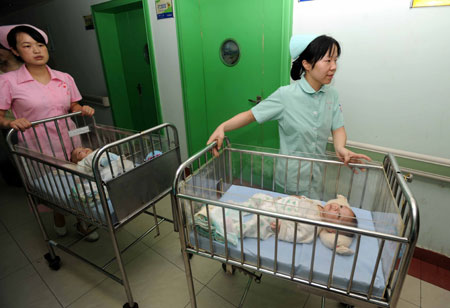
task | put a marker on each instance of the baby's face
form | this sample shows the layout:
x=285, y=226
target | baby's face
x=335, y=213
x=80, y=153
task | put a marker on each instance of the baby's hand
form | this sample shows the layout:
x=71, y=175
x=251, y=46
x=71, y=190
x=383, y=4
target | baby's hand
x=273, y=225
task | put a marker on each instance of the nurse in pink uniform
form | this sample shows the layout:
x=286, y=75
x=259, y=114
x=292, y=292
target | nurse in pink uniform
x=34, y=92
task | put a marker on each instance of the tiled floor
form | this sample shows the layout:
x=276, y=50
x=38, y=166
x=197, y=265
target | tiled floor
x=154, y=267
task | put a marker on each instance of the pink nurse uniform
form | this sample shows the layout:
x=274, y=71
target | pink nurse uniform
x=34, y=101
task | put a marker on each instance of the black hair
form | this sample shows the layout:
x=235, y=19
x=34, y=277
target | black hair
x=315, y=51
x=12, y=35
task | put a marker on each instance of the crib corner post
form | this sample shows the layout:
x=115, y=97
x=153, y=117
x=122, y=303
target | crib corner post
x=178, y=220
x=187, y=267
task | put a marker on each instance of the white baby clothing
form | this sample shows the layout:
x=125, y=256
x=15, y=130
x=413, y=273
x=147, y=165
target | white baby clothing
x=290, y=205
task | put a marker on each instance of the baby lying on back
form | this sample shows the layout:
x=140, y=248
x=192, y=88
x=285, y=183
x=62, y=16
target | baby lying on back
x=336, y=211
x=84, y=157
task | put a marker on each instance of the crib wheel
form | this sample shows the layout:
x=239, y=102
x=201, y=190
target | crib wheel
x=128, y=305
x=55, y=263
x=229, y=269
x=190, y=255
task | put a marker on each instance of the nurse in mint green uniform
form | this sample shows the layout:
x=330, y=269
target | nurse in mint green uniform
x=307, y=111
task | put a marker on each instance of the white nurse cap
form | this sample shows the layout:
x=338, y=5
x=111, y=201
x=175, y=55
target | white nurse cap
x=299, y=43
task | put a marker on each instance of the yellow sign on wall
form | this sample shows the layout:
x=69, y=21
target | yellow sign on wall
x=424, y=3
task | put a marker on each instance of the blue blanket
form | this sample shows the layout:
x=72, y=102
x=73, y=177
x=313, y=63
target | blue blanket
x=343, y=264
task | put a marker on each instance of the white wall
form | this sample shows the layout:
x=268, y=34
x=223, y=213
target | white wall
x=165, y=45
x=393, y=71
x=393, y=82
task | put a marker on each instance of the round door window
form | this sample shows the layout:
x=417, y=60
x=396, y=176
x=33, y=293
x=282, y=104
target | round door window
x=229, y=52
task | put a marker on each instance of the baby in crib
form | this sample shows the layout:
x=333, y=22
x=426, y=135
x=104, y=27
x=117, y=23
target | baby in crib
x=334, y=211
x=83, y=157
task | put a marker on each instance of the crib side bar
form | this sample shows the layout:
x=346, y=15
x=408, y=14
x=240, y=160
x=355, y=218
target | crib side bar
x=377, y=263
x=275, y=264
x=395, y=176
x=298, y=177
x=323, y=182
x=63, y=146
x=333, y=258
x=258, y=239
x=294, y=245
x=225, y=233
x=355, y=258
x=241, y=237
x=262, y=171
x=313, y=255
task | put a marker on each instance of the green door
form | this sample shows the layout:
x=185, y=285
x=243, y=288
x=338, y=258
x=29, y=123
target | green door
x=122, y=37
x=215, y=88
x=136, y=66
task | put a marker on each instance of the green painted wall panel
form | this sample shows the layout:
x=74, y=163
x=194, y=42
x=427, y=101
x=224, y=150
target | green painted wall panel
x=192, y=79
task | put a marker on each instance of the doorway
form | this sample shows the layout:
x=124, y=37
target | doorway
x=125, y=44
x=231, y=53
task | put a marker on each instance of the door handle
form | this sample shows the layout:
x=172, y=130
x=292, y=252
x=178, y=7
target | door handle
x=139, y=88
x=258, y=100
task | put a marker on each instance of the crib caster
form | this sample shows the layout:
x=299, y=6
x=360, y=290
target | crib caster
x=128, y=305
x=189, y=255
x=55, y=263
x=229, y=269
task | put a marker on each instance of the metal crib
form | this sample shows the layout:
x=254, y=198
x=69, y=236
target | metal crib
x=382, y=189
x=147, y=164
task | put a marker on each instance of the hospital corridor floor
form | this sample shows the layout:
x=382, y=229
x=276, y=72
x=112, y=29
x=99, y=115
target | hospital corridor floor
x=154, y=266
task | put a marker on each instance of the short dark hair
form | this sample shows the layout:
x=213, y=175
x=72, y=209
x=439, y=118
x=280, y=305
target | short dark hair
x=314, y=52
x=12, y=35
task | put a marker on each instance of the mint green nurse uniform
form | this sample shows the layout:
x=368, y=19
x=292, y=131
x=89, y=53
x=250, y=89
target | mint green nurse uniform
x=305, y=120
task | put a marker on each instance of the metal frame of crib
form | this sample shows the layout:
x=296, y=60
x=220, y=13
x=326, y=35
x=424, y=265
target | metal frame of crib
x=131, y=193
x=221, y=171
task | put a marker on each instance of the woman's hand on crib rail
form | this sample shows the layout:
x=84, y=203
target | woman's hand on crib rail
x=18, y=124
x=85, y=109
x=240, y=120
x=21, y=124
x=218, y=135
x=347, y=156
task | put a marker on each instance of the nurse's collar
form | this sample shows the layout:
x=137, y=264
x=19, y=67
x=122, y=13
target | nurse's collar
x=304, y=84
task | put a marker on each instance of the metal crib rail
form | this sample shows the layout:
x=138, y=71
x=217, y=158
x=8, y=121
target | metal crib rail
x=185, y=208
x=406, y=204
